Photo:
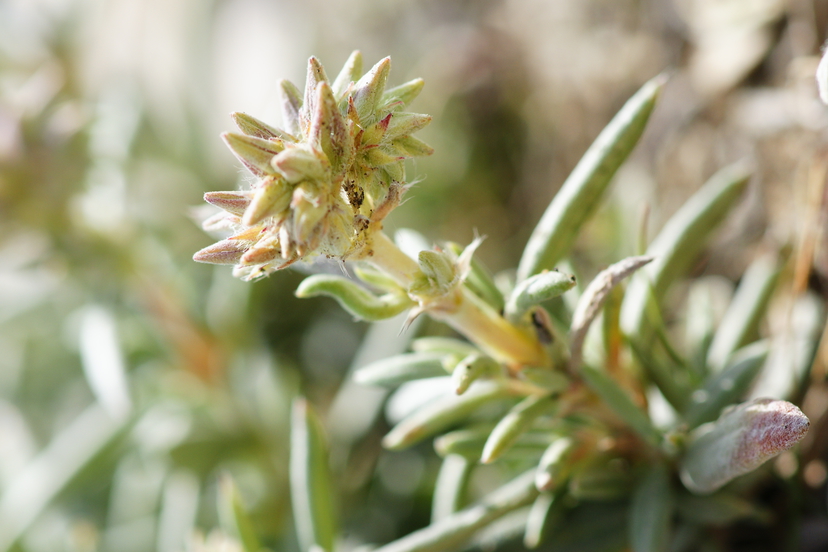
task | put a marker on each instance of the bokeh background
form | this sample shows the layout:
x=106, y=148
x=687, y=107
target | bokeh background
x=132, y=378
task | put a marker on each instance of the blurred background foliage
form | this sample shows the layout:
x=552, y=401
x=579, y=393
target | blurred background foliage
x=132, y=378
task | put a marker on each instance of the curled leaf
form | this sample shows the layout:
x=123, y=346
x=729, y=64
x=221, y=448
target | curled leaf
x=354, y=298
x=593, y=297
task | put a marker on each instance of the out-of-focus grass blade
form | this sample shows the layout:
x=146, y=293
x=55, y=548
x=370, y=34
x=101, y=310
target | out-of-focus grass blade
x=728, y=386
x=310, y=481
x=546, y=512
x=535, y=290
x=743, y=313
x=179, y=507
x=680, y=241
x=73, y=449
x=513, y=424
x=621, y=403
x=399, y=369
x=651, y=511
x=581, y=193
x=450, y=489
x=233, y=516
x=590, y=302
x=450, y=532
x=442, y=413
x=354, y=298
x=103, y=361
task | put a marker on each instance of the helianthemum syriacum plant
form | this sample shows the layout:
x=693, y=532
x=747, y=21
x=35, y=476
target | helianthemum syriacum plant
x=568, y=406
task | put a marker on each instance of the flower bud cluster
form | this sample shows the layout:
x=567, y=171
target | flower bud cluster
x=324, y=183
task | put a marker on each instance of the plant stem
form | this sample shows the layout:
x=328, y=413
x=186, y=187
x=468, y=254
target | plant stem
x=389, y=258
x=468, y=314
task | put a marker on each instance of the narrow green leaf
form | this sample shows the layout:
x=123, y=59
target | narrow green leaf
x=442, y=413
x=651, y=511
x=535, y=290
x=472, y=368
x=513, y=424
x=741, y=440
x=354, y=298
x=744, y=312
x=621, y=403
x=310, y=480
x=234, y=518
x=546, y=512
x=555, y=464
x=728, y=386
x=399, y=369
x=452, y=531
x=680, y=241
x=447, y=345
x=469, y=443
x=450, y=489
x=582, y=192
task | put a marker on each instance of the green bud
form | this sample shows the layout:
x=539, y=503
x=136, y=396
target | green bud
x=439, y=269
x=299, y=163
x=271, y=198
x=255, y=153
x=315, y=76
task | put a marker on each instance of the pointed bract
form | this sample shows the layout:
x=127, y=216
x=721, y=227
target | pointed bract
x=291, y=106
x=350, y=73
x=368, y=90
x=253, y=152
